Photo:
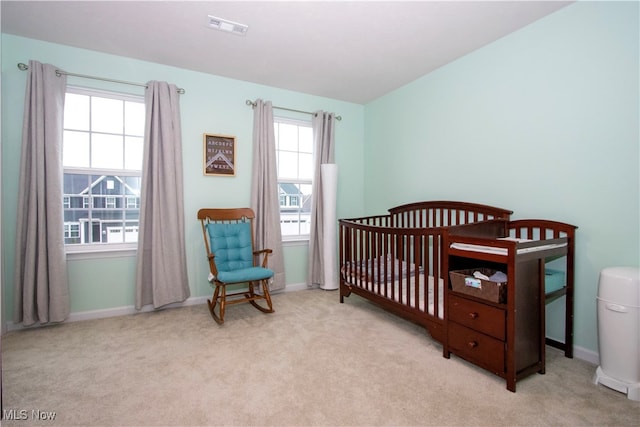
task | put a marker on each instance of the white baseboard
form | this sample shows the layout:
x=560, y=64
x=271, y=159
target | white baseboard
x=586, y=355
x=294, y=287
x=581, y=352
x=112, y=312
x=130, y=309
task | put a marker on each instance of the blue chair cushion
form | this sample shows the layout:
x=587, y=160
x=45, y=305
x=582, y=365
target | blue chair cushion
x=245, y=275
x=232, y=246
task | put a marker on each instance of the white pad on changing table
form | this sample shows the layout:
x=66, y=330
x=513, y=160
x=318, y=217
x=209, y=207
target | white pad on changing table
x=503, y=251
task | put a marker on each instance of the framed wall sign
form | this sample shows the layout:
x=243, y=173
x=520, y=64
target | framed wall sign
x=219, y=155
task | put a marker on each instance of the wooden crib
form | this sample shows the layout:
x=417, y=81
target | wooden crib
x=396, y=260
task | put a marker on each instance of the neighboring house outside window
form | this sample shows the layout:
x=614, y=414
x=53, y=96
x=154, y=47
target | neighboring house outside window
x=294, y=151
x=102, y=160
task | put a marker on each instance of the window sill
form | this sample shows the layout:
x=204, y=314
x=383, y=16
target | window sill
x=83, y=253
x=100, y=252
x=302, y=241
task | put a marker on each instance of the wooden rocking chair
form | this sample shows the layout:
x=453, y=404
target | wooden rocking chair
x=228, y=238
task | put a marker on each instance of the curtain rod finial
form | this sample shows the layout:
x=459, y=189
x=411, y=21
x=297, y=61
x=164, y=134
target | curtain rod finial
x=22, y=66
x=249, y=102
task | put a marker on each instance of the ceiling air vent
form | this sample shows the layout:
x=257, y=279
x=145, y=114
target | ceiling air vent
x=228, y=26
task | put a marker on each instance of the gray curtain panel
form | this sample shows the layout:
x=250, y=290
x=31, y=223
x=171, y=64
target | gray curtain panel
x=41, y=287
x=265, y=200
x=323, y=138
x=161, y=276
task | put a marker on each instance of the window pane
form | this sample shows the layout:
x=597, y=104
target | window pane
x=306, y=166
x=75, y=152
x=288, y=137
x=107, y=151
x=102, y=185
x=76, y=216
x=72, y=233
x=76, y=111
x=306, y=139
x=134, y=118
x=305, y=191
x=295, y=208
x=106, y=115
x=288, y=165
x=101, y=208
x=133, y=152
x=132, y=185
x=75, y=186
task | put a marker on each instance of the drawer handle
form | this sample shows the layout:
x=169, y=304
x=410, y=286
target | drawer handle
x=472, y=344
x=473, y=315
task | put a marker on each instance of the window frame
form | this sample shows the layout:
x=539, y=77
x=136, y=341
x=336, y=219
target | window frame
x=101, y=250
x=293, y=238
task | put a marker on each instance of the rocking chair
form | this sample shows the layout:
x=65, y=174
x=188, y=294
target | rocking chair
x=228, y=238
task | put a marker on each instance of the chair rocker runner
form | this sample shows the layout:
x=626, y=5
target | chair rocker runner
x=228, y=239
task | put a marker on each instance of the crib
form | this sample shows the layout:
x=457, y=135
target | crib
x=397, y=260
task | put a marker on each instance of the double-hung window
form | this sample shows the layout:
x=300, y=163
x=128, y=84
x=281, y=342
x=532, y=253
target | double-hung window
x=294, y=151
x=102, y=160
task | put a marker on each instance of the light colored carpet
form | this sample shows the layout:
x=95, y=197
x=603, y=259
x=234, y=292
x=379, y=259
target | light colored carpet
x=312, y=362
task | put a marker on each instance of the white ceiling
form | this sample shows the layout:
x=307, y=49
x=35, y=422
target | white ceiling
x=349, y=50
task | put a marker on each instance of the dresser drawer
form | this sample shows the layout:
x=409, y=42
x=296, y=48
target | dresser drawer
x=478, y=316
x=477, y=348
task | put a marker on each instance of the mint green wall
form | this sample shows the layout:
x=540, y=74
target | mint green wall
x=544, y=122
x=211, y=104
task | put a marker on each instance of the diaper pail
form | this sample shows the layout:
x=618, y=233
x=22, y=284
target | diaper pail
x=619, y=330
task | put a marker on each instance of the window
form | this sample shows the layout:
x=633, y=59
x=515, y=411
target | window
x=102, y=160
x=294, y=151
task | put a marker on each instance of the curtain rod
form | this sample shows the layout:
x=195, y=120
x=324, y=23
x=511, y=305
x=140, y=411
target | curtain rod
x=253, y=104
x=59, y=73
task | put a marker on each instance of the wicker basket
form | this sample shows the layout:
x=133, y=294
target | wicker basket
x=462, y=281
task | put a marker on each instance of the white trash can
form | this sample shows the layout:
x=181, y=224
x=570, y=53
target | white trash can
x=619, y=330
